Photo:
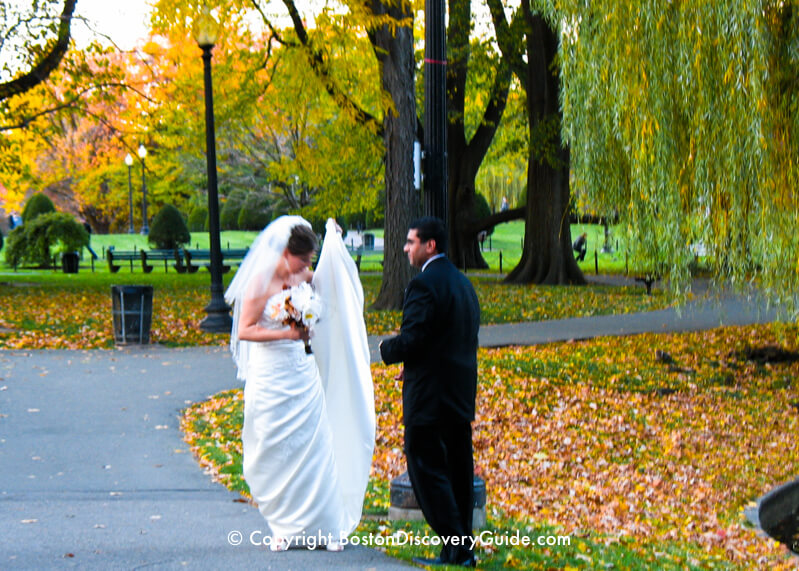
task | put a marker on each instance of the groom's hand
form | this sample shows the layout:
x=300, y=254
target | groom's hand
x=401, y=375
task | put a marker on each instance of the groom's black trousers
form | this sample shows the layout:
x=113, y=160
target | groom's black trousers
x=441, y=469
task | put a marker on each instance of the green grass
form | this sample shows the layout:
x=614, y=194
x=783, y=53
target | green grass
x=505, y=242
x=199, y=240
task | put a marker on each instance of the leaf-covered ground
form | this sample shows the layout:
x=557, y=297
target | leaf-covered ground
x=645, y=449
x=56, y=311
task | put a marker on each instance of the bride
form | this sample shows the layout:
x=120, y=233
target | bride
x=309, y=421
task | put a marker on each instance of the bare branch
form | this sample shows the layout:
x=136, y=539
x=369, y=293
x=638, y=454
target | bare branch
x=317, y=62
x=48, y=63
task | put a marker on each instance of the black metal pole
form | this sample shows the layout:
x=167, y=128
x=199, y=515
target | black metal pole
x=435, y=115
x=218, y=318
x=131, y=230
x=145, y=229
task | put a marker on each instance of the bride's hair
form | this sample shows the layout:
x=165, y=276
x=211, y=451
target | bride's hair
x=302, y=240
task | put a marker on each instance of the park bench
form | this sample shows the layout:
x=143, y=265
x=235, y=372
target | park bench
x=121, y=256
x=234, y=255
x=163, y=255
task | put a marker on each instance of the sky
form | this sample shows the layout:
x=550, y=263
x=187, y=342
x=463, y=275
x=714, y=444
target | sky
x=125, y=21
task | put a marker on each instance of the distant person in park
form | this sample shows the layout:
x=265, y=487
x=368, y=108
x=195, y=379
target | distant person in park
x=14, y=220
x=309, y=420
x=437, y=344
x=504, y=206
x=580, y=246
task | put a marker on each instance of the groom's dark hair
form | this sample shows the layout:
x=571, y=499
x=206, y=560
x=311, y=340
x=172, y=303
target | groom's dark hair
x=431, y=228
x=302, y=240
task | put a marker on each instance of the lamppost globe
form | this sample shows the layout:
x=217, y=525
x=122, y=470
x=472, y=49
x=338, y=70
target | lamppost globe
x=206, y=29
x=129, y=162
x=142, y=152
x=217, y=318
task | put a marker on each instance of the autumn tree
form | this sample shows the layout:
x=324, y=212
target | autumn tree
x=66, y=136
x=389, y=26
x=682, y=115
x=279, y=133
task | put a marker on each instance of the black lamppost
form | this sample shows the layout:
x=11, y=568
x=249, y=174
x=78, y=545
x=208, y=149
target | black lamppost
x=435, y=110
x=145, y=229
x=218, y=318
x=129, y=162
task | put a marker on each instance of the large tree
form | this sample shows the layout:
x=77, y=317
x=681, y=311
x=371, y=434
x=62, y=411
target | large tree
x=530, y=43
x=683, y=116
x=393, y=48
x=468, y=138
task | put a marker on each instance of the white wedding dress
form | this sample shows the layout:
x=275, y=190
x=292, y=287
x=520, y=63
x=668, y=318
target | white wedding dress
x=308, y=438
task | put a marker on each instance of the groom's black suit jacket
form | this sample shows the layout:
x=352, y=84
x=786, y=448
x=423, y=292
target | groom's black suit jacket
x=438, y=346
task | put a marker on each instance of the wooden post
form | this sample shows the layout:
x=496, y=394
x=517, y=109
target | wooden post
x=500, y=261
x=596, y=262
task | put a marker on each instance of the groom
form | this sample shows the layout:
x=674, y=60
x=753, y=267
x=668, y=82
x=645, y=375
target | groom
x=438, y=346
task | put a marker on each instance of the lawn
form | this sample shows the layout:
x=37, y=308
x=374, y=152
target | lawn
x=506, y=240
x=46, y=309
x=643, y=464
x=49, y=309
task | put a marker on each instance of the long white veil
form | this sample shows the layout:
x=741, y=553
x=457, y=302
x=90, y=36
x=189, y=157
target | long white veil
x=254, y=276
x=342, y=355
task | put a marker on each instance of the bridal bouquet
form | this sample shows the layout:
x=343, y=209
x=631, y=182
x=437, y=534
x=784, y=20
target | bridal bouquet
x=298, y=305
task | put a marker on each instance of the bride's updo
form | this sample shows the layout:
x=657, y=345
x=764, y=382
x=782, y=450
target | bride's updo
x=302, y=240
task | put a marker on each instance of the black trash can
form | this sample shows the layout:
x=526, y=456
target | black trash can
x=70, y=262
x=133, y=313
x=369, y=241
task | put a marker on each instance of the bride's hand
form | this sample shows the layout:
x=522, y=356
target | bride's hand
x=297, y=333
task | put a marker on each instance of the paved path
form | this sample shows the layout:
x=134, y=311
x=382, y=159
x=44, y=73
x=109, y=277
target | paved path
x=94, y=474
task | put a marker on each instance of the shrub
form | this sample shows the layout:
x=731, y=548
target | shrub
x=255, y=213
x=38, y=240
x=198, y=219
x=229, y=216
x=37, y=205
x=168, y=230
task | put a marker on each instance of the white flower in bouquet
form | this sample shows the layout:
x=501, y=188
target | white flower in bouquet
x=299, y=305
x=306, y=305
x=277, y=308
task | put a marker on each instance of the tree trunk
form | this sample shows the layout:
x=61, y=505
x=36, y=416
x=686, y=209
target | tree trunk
x=395, y=54
x=464, y=249
x=464, y=157
x=547, y=255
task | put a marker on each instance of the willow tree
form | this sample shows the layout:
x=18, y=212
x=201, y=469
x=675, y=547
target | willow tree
x=682, y=117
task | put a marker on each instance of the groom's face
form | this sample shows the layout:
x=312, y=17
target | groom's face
x=418, y=252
